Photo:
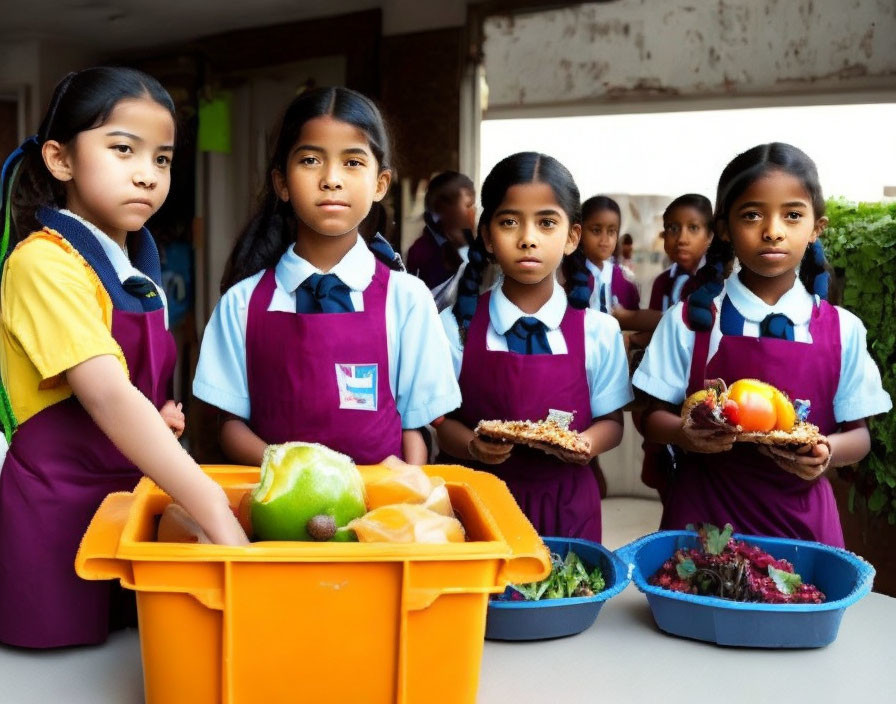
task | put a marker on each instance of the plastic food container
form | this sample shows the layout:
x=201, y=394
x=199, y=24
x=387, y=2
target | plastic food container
x=842, y=576
x=554, y=618
x=280, y=622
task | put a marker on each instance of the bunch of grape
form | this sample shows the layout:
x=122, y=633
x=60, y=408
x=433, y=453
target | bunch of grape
x=730, y=569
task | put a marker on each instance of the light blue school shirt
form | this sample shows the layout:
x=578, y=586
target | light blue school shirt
x=606, y=365
x=118, y=257
x=419, y=360
x=665, y=368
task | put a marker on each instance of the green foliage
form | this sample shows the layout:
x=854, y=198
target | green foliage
x=860, y=243
x=569, y=577
x=786, y=582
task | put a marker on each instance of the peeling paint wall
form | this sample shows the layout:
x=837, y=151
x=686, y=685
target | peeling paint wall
x=632, y=50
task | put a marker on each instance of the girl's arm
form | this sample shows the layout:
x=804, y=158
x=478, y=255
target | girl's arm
x=662, y=424
x=847, y=446
x=641, y=320
x=239, y=442
x=413, y=447
x=458, y=440
x=134, y=425
x=604, y=433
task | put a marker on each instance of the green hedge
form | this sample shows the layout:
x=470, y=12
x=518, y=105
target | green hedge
x=860, y=242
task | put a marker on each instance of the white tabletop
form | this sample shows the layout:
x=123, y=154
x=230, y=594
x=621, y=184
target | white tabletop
x=621, y=658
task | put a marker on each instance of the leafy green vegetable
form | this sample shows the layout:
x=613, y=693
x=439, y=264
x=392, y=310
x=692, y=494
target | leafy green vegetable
x=716, y=540
x=786, y=582
x=686, y=568
x=860, y=242
x=568, y=578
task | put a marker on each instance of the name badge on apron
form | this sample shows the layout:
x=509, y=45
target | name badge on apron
x=357, y=386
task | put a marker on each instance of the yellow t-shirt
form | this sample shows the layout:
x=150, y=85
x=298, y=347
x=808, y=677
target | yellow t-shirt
x=54, y=314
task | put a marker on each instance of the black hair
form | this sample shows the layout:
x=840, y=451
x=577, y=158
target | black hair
x=597, y=203
x=698, y=202
x=744, y=170
x=83, y=100
x=627, y=239
x=446, y=186
x=272, y=228
x=575, y=270
x=514, y=170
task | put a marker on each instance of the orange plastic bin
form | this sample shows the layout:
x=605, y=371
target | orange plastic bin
x=332, y=623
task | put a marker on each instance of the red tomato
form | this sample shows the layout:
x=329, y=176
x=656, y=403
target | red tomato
x=755, y=404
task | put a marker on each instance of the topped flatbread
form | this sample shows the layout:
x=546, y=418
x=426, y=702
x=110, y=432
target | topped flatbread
x=542, y=435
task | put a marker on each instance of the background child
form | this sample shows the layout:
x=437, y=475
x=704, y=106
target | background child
x=769, y=321
x=520, y=350
x=316, y=339
x=449, y=215
x=687, y=233
x=608, y=284
x=86, y=355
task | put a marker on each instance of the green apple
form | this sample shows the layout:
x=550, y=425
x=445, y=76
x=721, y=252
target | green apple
x=302, y=481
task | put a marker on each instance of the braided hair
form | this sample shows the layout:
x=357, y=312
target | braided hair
x=576, y=276
x=272, y=228
x=744, y=170
x=514, y=170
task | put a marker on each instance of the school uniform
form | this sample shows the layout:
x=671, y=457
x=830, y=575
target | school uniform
x=370, y=360
x=69, y=294
x=670, y=287
x=823, y=358
x=427, y=258
x=610, y=286
x=575, y=362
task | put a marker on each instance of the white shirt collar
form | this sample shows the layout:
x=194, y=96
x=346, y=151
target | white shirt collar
x=796, y=304
x=355, y=269
x=117, y=256
x=503, y=313
x=604, y=275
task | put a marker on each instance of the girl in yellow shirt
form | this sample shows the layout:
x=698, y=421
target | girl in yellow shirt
x=84, y=349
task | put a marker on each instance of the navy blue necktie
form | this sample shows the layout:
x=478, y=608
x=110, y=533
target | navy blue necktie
x=602, y=297
x=528, y=335
x=145, y=291
x=323, y=293
x=776, y=325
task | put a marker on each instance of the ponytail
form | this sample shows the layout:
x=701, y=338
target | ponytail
x=469, y=285
x=815, y=271
x=576, y=277
x=711, y=278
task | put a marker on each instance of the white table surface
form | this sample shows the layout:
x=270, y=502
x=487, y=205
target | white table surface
x=621, y=658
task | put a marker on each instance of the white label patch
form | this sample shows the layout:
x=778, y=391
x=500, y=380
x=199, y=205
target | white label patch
x=357, y=386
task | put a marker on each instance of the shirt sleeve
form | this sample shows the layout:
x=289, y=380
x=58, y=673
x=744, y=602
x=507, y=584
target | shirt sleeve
x=860, y=393
x=425, y=384
x=221, y=378
x=452, y=332
x=606, y=364
x=50, y=307
x=665, y=368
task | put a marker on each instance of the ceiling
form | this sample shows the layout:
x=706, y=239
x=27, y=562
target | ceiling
x=115, y=25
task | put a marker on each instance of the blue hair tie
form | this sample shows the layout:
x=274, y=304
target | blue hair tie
x=380, y=246
x=822, y=281
x=700, y=301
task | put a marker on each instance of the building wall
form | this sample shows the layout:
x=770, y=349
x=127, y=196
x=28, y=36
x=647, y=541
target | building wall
x=636, y=50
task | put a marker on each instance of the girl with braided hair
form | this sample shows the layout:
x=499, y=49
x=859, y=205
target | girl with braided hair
x=521, y=349
x=769, y=320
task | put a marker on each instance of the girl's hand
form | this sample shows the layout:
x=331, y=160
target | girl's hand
x=174, y=417
x=489, y=452
x=567, y=456
x=706, y=441
x=808, y=462
x=625, y=317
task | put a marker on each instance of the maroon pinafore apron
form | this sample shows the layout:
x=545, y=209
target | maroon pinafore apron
x=58, y=469
x=323, y=377
x=743, y=487
x=560, y=499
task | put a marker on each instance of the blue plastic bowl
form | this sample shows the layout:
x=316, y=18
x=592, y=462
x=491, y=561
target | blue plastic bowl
x=842, y=576
x=555, y=618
